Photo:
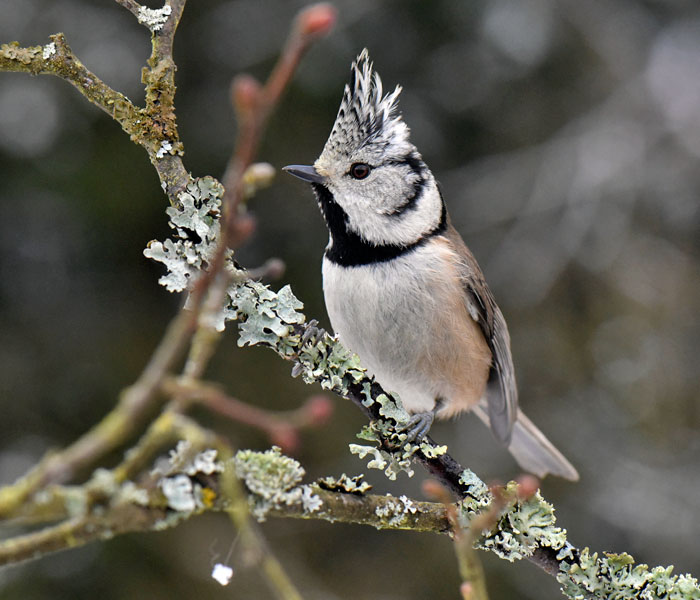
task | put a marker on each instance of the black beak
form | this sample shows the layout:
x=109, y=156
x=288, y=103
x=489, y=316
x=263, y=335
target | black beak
x=306, y=173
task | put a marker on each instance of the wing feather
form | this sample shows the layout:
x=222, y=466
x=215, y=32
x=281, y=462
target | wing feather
x=501, y=389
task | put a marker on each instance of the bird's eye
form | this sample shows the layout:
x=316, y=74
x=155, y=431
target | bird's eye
x=359, y=170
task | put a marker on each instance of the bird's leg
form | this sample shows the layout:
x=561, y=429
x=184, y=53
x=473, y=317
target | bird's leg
x=419, y=424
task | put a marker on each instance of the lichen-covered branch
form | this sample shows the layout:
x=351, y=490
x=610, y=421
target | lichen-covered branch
x=56, y=58
x=194, y=482
x=153, y=127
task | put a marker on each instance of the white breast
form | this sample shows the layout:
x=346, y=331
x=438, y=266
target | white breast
x=407, y=320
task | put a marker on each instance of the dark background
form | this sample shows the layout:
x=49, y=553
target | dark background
x=566, y=136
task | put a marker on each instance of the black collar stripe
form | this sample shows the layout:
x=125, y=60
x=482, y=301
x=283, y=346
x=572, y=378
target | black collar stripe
x=348, y=249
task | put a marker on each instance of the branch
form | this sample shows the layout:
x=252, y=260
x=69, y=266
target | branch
x=154, y=127
x=527, y=529
x=108, y=506
x=281, y=427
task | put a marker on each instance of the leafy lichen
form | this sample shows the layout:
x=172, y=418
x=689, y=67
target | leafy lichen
x=179, y=480
x=617, y=576
x=396, y=511
x=196, y=224
x=273, y=480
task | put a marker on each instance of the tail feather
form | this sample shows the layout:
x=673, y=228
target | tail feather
x=533, y=451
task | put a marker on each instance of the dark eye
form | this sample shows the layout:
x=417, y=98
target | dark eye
x=360, y=170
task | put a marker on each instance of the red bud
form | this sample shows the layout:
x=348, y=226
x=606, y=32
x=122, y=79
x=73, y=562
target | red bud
x=319, y=408
x=317, y=19
x=245, y=93
x=527, y=486
x=286, y=437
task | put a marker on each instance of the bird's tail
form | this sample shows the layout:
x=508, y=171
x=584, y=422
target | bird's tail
x=533, y=451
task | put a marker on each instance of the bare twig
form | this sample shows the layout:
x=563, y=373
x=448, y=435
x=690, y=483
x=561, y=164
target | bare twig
x=473, y=580
x=253, y=541
x=131, y=5
x=281, y=427
x=254, y=105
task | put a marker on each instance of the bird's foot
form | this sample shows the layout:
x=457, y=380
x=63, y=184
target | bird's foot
x=417, y=427
x=313, y=333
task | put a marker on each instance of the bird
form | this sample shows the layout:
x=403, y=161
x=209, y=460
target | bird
x=401, y=288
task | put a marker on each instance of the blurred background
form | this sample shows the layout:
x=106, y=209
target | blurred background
x=566, y=136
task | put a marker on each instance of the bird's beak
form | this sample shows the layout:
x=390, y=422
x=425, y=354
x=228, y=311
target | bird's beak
x=306, y=173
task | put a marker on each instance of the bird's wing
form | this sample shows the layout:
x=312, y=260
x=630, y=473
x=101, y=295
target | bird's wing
x=501, y=390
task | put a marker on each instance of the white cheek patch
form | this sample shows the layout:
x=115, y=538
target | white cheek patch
x=402, y=229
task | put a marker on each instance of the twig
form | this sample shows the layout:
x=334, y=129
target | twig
x=131, y=5
x=281, y=427
x=167, y=429
x=254, y=108
x=76, y=532
x=252, y=539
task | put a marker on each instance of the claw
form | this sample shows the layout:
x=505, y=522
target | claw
x=312, y=333
x=417, y=427
x=310, y=330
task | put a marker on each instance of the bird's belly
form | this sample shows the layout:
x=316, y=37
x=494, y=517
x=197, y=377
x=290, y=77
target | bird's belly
x=400, y=319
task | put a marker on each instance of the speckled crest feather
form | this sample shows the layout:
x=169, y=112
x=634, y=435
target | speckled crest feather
x=365, y=115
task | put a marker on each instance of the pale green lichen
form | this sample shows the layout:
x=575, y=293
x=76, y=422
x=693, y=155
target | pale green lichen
x=477, y=489
x=197, y=213
x=409, y=506
x=398, y=460
x=395, y=512
x=184, y=458
x=273, y=480
x=165, y=148
x=523, y=525
x=265, y=317
x=133, y=494
x=432, y=451
x=48, y=51
x=529, y=524
x=616, y=576
x=179, y=492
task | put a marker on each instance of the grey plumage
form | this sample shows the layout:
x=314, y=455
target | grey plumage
x=402, y=290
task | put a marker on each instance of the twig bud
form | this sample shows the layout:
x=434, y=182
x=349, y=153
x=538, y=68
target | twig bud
x=317, y=20
x=319, y=409
x=527, y=486
x=245, y=94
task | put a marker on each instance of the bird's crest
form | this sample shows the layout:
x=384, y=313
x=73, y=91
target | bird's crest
x=366, y=116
